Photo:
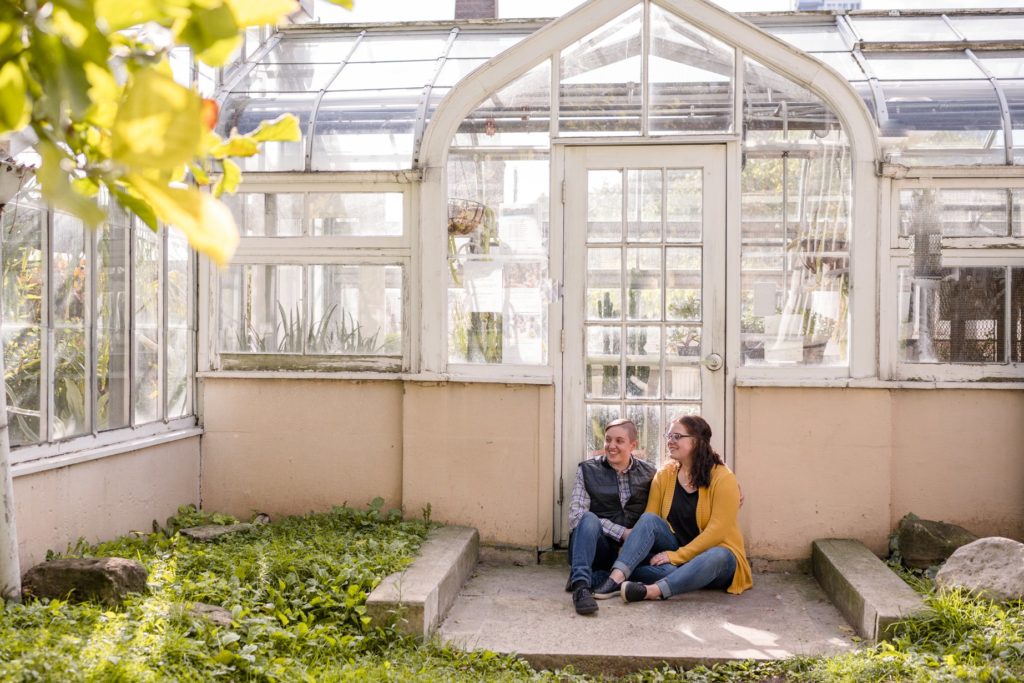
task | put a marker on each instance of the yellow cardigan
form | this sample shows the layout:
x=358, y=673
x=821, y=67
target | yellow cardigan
x=717, y=506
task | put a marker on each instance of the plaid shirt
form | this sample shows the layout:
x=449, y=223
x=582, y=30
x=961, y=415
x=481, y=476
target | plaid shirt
x=579, y=502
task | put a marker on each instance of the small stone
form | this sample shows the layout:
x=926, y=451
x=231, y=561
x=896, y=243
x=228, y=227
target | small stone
x=106, y=580
x=211, y=532
x=990, y=567
x=215, y=614
x=261, y=518
x=925, y=542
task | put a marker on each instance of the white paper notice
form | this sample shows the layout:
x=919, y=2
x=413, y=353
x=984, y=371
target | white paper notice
x=483, y=286
x=764, y=298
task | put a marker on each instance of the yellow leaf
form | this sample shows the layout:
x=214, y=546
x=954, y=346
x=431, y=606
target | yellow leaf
x=285, y=128
x=15, y=108
x=104, y=93
x=235, y=146
x=206, y=222
x=57, y=189
x=199, y=173
x=64, y=25
x=347, y=4
x=229, y=179
x=121, y=14
x=248, y=13
x=157, y=124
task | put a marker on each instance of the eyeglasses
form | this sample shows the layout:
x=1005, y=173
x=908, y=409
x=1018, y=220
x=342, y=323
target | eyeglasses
x=676, y=436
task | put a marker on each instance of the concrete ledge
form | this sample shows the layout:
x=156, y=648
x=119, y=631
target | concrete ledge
x=869, y=594
x=421, y=596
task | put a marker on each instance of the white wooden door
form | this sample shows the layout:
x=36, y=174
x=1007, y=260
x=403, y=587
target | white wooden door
x=644, y=313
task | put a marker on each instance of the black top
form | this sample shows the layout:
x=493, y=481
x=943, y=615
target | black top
x=682, y=516
x=602, y=484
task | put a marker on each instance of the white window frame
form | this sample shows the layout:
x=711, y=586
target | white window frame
x=306, y=250
x=956, y=251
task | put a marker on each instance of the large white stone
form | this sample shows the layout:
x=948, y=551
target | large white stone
x=992, y=567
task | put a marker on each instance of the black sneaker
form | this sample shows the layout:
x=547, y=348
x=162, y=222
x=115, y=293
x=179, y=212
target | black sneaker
x=633, y=591
x=583, y=601
x=609, y=588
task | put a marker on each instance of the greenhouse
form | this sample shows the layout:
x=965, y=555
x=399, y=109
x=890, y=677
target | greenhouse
x=497, y=235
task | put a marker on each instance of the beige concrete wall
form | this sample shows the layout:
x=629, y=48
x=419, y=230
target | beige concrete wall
x=102, y=499
x=482, y=455
x=287, y=446
x=825, y=462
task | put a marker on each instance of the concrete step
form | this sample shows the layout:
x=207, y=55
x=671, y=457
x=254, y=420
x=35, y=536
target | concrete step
x=421, y=595
x=869, y=594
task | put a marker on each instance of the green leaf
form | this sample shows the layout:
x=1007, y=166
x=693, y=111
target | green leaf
x=285, y=128
x=137, y=206
x=212, y=33
x=15, y=108
x=157, y=124
x=229, y=179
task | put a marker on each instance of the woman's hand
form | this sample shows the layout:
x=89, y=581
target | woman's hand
x=659, y=559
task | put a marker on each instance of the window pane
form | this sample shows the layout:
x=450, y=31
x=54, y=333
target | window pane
x=683, y=289
x=604, y=206
x=647, y=419
x=684, y=195
x=261, y=309
x=824, y=38
x=1017, y=315
x=601, y=92
x=955, y=213
x=643, y=284
x=518, y=115
x=68, y=300
x=604, y=349
x=643, y=205
x=23, y=224
x=112, y=307
x=245, y=113
x=690, y=75
x=266, y=215
x=179, y=326
x=952, y=315
x=777, y=109
x=146, y=379
x=604, y=284
x=356, y=214
x=356, y=310
x=365, y=130
x=1018, y=212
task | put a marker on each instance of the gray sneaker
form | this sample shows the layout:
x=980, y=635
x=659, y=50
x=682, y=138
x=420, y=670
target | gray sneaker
x=633, y=591
x=607, y=589
x=583, y=601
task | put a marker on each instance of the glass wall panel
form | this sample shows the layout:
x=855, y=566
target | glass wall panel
x=365, y=130
x=23, y=225
x=376, y=76
x=601, y=88
x=356, y=310
x=518, y=115
x=266, y=215
x=923, y=66
x=147, y=326
x=291, y=78
x=113, y=289
x=356, y=214
x=956, y=212
x=1016, y=332
x=180, y=326
x=775, y=109
x=302, y=50
x=261, y=309
x=68, y=302
x=690, y=78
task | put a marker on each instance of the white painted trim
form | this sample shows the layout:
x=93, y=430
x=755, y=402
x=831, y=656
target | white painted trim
x=41, y=458
x=425, y=377
x=878, y=384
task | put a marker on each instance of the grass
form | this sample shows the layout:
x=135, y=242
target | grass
x=297, y=590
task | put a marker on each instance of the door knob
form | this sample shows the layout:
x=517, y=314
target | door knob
x=713, y=362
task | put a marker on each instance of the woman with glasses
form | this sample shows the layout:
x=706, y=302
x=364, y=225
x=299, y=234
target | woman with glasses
x=688, y=535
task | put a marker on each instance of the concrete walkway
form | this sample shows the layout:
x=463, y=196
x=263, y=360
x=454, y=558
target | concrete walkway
x=525, y=610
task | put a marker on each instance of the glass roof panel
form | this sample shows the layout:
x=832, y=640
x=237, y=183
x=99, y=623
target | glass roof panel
x=245, y=113
x=364, y=130
x=454, y=70
x=518, y=115
x=820, y=38
x=1003, y=64
x=902, y=29
x=304, y=49
x=844, y=63
x=939, y=66
x=384, y=75
x=990, y=27
x=600, y=92
x=778, y=110
x=690, y=76
x=483, y=45
x=392, y=48
x=266, y=78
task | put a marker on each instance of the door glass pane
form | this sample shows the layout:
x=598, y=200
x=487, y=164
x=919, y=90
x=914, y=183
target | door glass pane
x=643, y=361
x=604, y=349
x=683, y=194
x=598, y=415
x=643, y=284
x=647, y=418
x=604, y=206
x=683, y=381
x=643, y=205
x=683, y=286
x=604, y=284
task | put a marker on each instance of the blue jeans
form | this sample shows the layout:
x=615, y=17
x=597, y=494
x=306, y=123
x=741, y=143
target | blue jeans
x=713, y=568
x=591, y=553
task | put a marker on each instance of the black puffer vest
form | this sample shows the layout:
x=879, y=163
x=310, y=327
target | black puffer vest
x=601, y=482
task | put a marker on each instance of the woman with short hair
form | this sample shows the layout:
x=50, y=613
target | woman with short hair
x=688, y=534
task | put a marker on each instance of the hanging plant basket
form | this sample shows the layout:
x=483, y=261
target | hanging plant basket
x=464, y=216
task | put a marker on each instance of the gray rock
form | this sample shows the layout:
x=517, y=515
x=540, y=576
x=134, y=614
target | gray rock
x=261, y=518
x=215, y=614
x=991, y=567
x=924, y=542
x=106, y=580
x=212, y=532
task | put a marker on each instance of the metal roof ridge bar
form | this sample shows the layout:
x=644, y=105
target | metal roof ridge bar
x=421, y=110
x=311, y=125
x=1004, y=107
x=242, y=71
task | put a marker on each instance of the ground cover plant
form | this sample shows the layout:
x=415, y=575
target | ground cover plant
x=297, y=590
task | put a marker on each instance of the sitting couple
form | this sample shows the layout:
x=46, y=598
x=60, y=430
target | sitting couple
x=681, y=537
